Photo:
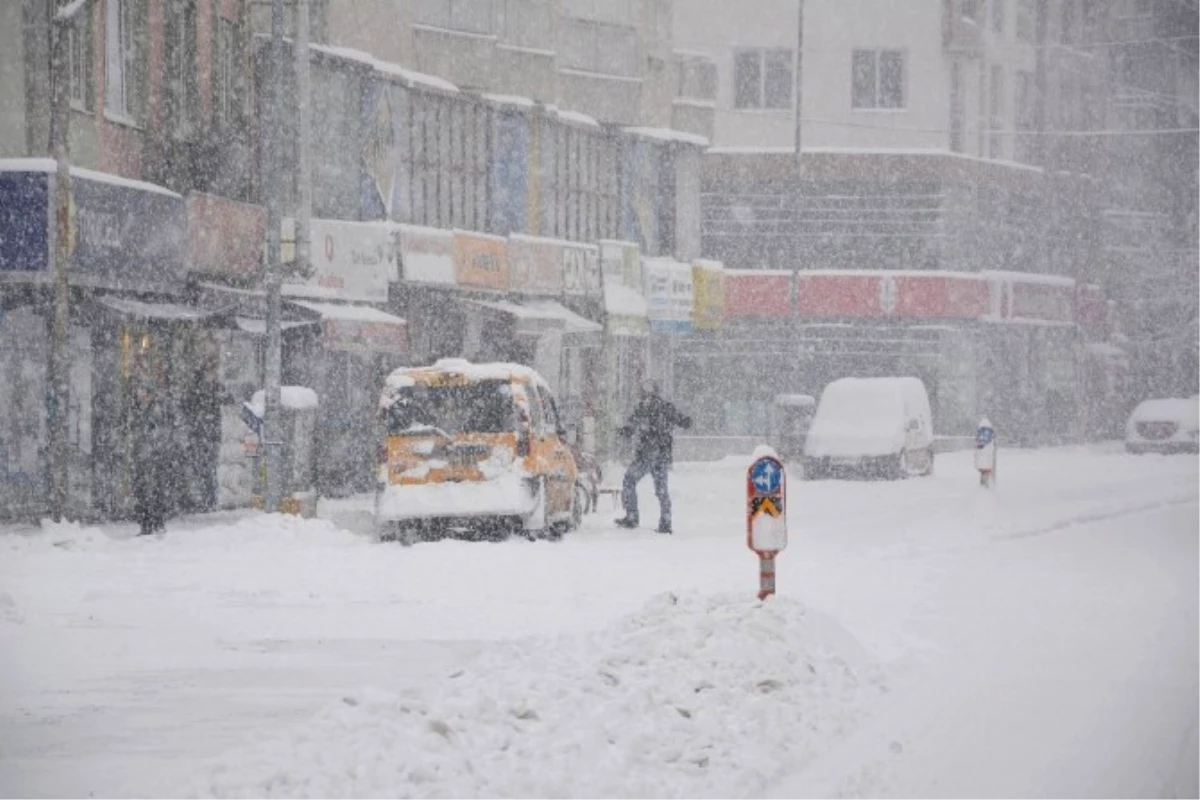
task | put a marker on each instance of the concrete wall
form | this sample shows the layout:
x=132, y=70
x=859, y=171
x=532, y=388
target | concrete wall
x=833, y=29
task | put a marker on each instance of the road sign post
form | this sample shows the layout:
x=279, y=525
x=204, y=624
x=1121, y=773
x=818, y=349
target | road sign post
x=766, y=514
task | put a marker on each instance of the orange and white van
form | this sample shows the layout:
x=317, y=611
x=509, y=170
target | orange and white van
x=474, y=447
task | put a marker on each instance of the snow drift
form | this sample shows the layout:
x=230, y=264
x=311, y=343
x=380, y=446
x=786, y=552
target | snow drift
x=691, y=696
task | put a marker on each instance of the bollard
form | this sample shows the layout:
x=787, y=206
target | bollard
x=985, y=453
x=766, y=519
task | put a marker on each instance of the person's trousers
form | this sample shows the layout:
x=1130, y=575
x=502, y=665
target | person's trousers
x=657, y=468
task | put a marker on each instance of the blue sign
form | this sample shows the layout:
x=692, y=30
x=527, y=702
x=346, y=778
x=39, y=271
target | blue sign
x=766, y=475
x=123, y=233
x=984, y=436
x=24, y=221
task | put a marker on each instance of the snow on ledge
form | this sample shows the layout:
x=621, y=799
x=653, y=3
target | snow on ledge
x=916, y=151
x=48, y=165
x=409, y=76
x=668, y=135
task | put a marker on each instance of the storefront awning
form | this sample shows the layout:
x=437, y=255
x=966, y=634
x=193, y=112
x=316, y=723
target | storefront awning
x=259, y=326
x=157, y=312
x=360, y=328
x=535, y=317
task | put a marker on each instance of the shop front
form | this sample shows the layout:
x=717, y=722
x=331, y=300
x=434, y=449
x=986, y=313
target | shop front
x=353, y=265
x=127, y=244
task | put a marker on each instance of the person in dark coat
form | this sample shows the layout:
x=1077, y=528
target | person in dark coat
x=202, y=404
x=652, y=425
x=151, y=436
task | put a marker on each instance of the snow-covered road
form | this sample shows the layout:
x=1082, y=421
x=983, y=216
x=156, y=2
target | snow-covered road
x=929, y=639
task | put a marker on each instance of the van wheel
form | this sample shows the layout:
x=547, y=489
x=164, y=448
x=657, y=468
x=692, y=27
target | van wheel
x=929, y=464
x=896, y=467
x=535, y=525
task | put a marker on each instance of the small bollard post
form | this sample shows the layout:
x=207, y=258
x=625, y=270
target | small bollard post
x=766, y=519
x=985, y=453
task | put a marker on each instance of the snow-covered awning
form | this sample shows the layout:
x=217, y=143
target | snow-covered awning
x=360, y=328
x=535, y=317
x=159, y=312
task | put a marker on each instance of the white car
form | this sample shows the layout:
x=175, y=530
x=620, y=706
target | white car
x=1167, y=425
x=878, y=426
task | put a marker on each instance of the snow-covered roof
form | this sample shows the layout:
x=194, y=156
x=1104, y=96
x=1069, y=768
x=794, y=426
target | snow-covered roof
x=494, y=371
x=510, y=100
x=577, y=117
x=351, y=312
x=48, y=165
x=575, y=323
x=668, y=135
x=409, y=76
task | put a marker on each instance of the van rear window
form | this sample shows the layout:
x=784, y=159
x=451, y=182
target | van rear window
x=483, y=407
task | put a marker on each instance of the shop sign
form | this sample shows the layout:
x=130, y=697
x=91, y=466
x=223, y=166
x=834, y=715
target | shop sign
x=758, y=293
x=350, y=260
x=225, y=237
x=426, y=255
x=623, y=261
x=362, y=336
x=580, y=269
x=480, y=261
x=891, y=294
x=708, y=281
x=1043, y=302
x=669, y=295
x=122, y=232
x=535, y=265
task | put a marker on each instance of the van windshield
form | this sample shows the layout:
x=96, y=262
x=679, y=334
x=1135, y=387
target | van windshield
x=483, y=407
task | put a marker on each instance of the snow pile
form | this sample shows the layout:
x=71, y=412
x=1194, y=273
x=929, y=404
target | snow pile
x=692, y=696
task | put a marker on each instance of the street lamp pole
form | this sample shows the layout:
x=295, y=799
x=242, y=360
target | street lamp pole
x=60, y=150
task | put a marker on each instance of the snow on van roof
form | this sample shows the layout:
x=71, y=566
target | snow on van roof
x=497, y=371
x=1167, y=409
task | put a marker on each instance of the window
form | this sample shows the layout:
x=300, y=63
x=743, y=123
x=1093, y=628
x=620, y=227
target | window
x=79, y=60
x=225, y=73
x=550, y=421
x=957, y=107
x=528, y=23
x=122, y=58
x=996, y=120
x=469, y=16
x=697, y=78
x=599, y=47
x=998, y=15
x=1025, y=20
x=878, y=78
x=969, y=9
x=1026, y=115
x=762, y=79
x=182, y=75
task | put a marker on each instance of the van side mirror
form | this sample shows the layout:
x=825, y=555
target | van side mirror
x=913, y=425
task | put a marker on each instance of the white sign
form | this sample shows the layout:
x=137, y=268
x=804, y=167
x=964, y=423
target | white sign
x=350, y=261
x=427, y=255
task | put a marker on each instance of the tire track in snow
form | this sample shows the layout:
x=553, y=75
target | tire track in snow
x=1100, y=516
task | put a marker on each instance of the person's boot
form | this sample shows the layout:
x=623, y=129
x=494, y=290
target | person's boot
x=625, y=522
x=664, y=527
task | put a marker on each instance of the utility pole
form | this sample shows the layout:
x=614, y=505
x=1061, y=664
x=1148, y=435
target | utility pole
x=304, y=103
x=60, y=361
x=272, y=429
x=799, y=87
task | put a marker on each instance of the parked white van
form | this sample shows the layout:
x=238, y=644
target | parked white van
x=881, y=427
